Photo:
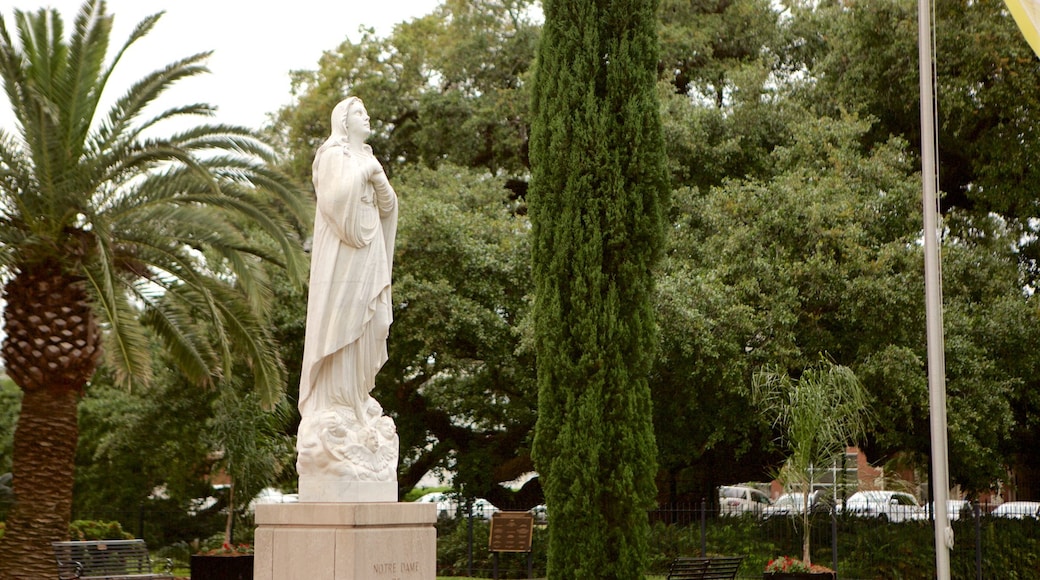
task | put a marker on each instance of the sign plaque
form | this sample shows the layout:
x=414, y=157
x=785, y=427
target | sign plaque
x=511, y=532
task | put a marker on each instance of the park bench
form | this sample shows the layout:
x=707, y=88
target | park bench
x=714, y=568
x=106, y=559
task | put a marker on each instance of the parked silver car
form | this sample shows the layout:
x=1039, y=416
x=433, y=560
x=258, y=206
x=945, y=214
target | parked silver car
x=793, y=503
x=451, y=505
x=955, y=508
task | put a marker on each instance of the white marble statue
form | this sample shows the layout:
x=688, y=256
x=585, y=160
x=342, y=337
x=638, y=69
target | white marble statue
x=347, y=449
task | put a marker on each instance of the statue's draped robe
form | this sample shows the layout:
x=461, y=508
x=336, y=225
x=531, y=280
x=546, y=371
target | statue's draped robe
x=349, y=310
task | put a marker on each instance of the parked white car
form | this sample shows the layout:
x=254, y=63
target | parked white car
x=892, y=506
x=272, y=495
x=738, y=499
x=1018, y=510
x=955, y=508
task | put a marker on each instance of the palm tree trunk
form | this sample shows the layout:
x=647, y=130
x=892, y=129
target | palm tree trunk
x=44, y=458
x=806, y=529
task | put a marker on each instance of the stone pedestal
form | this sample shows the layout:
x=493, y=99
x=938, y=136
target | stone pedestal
x=334, y=489
x=346, y=541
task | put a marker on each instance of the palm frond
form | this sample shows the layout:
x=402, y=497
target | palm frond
x=142, y=93
x=193, y=110
x=173, y=326
x=233, y=255
x=126, y=344
x=80, y=89
x=255, y=341
x=141, y=30
x=15, y=177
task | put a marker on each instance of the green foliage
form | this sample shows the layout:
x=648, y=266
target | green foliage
x=142, y=459
x=704, y=45
x=597, y=203
x=459, y=381
x=10, y=401
x=417, y=492
x=454, y=538
x=822, y=257
x=987, y=102
x=251, y=445
x=97, y=530
x=145, y=455
x=818, y=258
x=449, y=87
x=819, y=414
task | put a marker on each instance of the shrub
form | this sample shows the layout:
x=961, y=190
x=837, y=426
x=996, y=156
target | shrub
x=453, y=545
x=97, y=530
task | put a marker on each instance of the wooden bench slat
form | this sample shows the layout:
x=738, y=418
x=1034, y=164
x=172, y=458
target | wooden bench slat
x=717, y=568
x=688, y=569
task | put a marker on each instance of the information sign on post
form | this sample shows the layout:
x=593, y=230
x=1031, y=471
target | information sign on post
x=511, y=532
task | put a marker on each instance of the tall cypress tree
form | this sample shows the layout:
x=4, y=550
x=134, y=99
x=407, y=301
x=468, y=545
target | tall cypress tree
x=596, y=203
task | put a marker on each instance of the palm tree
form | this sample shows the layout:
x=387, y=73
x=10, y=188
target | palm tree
x=114, y=240
x=820, y=413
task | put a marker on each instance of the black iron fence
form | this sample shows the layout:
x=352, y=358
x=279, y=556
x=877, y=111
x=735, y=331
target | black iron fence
x=988, y=543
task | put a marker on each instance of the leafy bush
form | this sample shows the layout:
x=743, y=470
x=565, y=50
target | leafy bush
x=80, y=530
x=178, y=553
x=453, y=548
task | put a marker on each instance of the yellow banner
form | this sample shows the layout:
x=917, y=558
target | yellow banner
x=1027, y=16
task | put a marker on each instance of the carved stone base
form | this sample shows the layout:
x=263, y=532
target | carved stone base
x=336, y=445
x=321, y=541
x=333, y=489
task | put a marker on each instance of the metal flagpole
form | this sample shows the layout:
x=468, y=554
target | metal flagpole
x=933, y=300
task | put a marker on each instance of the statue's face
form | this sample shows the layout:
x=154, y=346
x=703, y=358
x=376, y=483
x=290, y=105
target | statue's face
x=358, y=121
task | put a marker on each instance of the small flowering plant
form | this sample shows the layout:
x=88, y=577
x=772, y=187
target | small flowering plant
x=227, y=549
x=789, y=565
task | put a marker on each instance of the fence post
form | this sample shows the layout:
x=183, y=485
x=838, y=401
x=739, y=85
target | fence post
x=978, y=539
x=469, y=515
x=834, y=538
x=704, y=528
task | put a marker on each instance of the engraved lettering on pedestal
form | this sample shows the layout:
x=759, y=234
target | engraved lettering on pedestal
x=399, y=570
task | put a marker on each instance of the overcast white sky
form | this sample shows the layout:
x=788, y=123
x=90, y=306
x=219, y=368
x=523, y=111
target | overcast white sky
x=255, y=44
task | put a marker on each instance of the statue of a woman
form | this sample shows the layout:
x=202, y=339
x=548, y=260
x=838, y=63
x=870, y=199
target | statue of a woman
x=343, y=434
